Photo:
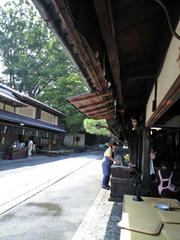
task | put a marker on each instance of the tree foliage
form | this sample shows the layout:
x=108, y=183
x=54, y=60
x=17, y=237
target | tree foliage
x=35, y=62
x=98, y=127
x=31, y=54
x=56, y=96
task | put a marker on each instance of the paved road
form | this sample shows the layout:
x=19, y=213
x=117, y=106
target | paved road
x=47, y=198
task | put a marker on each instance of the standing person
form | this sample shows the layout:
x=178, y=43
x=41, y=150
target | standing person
x=30, y=146
x=34, y=148
x=106, y=164
x=152, y=157
x=153, y=184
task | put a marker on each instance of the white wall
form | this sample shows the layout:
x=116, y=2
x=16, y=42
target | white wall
x=70, y=140
x=168, y=75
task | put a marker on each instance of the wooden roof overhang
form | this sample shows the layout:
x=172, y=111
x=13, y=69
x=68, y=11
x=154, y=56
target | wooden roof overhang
x=95, y=105
x=118, y=46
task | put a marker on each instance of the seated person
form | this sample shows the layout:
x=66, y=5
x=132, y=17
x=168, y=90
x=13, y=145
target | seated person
x=166, y=187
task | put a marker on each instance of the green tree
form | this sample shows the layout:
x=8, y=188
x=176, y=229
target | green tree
x=35, y=62
x=56, y=95
x=98, y=127
x=32, y=55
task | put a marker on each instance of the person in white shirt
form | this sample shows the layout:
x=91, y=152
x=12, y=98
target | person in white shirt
x=30, y=146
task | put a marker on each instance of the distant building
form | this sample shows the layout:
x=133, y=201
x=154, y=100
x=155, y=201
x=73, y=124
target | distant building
x=23, y=118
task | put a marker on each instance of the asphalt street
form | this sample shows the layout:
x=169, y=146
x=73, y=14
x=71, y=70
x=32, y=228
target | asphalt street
x=47, y=198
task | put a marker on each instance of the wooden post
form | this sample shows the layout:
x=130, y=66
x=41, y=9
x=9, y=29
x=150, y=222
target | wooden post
x=134, y=148
x=49, y=144
x=145, y=161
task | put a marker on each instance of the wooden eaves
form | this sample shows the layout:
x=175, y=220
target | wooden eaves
x=87, y=57
x=94, y=106
x=101, y=94
x=104, y=14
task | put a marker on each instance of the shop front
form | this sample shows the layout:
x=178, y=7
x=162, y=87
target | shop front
x=23, y=119
x=14, y=141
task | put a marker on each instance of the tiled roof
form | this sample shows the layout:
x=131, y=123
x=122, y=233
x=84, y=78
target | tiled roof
x=23, y=97
x=10, y=99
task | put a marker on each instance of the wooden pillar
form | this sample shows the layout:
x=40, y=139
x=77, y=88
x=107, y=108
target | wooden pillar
x=145, y=160
x=133, y=148
x=49, y=144
x=139, y=148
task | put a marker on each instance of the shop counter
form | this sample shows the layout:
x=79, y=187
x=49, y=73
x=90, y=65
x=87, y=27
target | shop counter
x=121, y=182
x=16, y=154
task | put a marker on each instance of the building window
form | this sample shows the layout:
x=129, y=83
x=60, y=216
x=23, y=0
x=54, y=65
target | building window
x=55, y=120
x=28, y=111
x=1, y=105
x=47, y=117
x=9, y=108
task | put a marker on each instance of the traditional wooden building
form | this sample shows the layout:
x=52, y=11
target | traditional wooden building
x=22, y=118
x=128, y=53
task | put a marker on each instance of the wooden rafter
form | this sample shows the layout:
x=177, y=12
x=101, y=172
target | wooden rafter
x=104, y=14
x=101, y=112
x=94, y=106
x=88, y=96
x=86, y=55
x=108, y=116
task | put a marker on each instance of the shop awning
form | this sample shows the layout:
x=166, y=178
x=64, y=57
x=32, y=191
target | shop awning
x=28, y=121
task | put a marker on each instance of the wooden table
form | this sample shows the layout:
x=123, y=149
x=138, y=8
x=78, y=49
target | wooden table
x=144, y=221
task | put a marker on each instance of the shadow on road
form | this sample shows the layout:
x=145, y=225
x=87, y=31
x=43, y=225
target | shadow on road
x=41, y=159
x=112, y=229
x=35, y=160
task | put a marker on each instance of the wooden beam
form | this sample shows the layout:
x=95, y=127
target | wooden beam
x=88, y=96
x=80, y=44
x=104, y=15
x=103, y=117
x=145, y=158
x=100, y=112
x=140, y=77
x=99, y=109
x=94, y=106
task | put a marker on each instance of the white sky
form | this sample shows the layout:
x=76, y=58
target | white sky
x=3, y=2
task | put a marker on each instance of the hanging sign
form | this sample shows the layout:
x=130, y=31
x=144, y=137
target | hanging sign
x=3, y=140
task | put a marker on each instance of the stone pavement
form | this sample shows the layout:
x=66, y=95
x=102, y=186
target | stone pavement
x=101, y=221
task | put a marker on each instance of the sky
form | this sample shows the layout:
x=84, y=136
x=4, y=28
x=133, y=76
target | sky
x=3, y=2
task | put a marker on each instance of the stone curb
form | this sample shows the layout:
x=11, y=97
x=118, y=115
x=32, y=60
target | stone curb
x=100, y=223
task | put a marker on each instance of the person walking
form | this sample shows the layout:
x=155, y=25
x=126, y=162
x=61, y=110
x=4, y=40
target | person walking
x=30, y=146
x=106, y=165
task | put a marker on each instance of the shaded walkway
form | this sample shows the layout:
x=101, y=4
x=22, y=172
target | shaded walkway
x=101, y=221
